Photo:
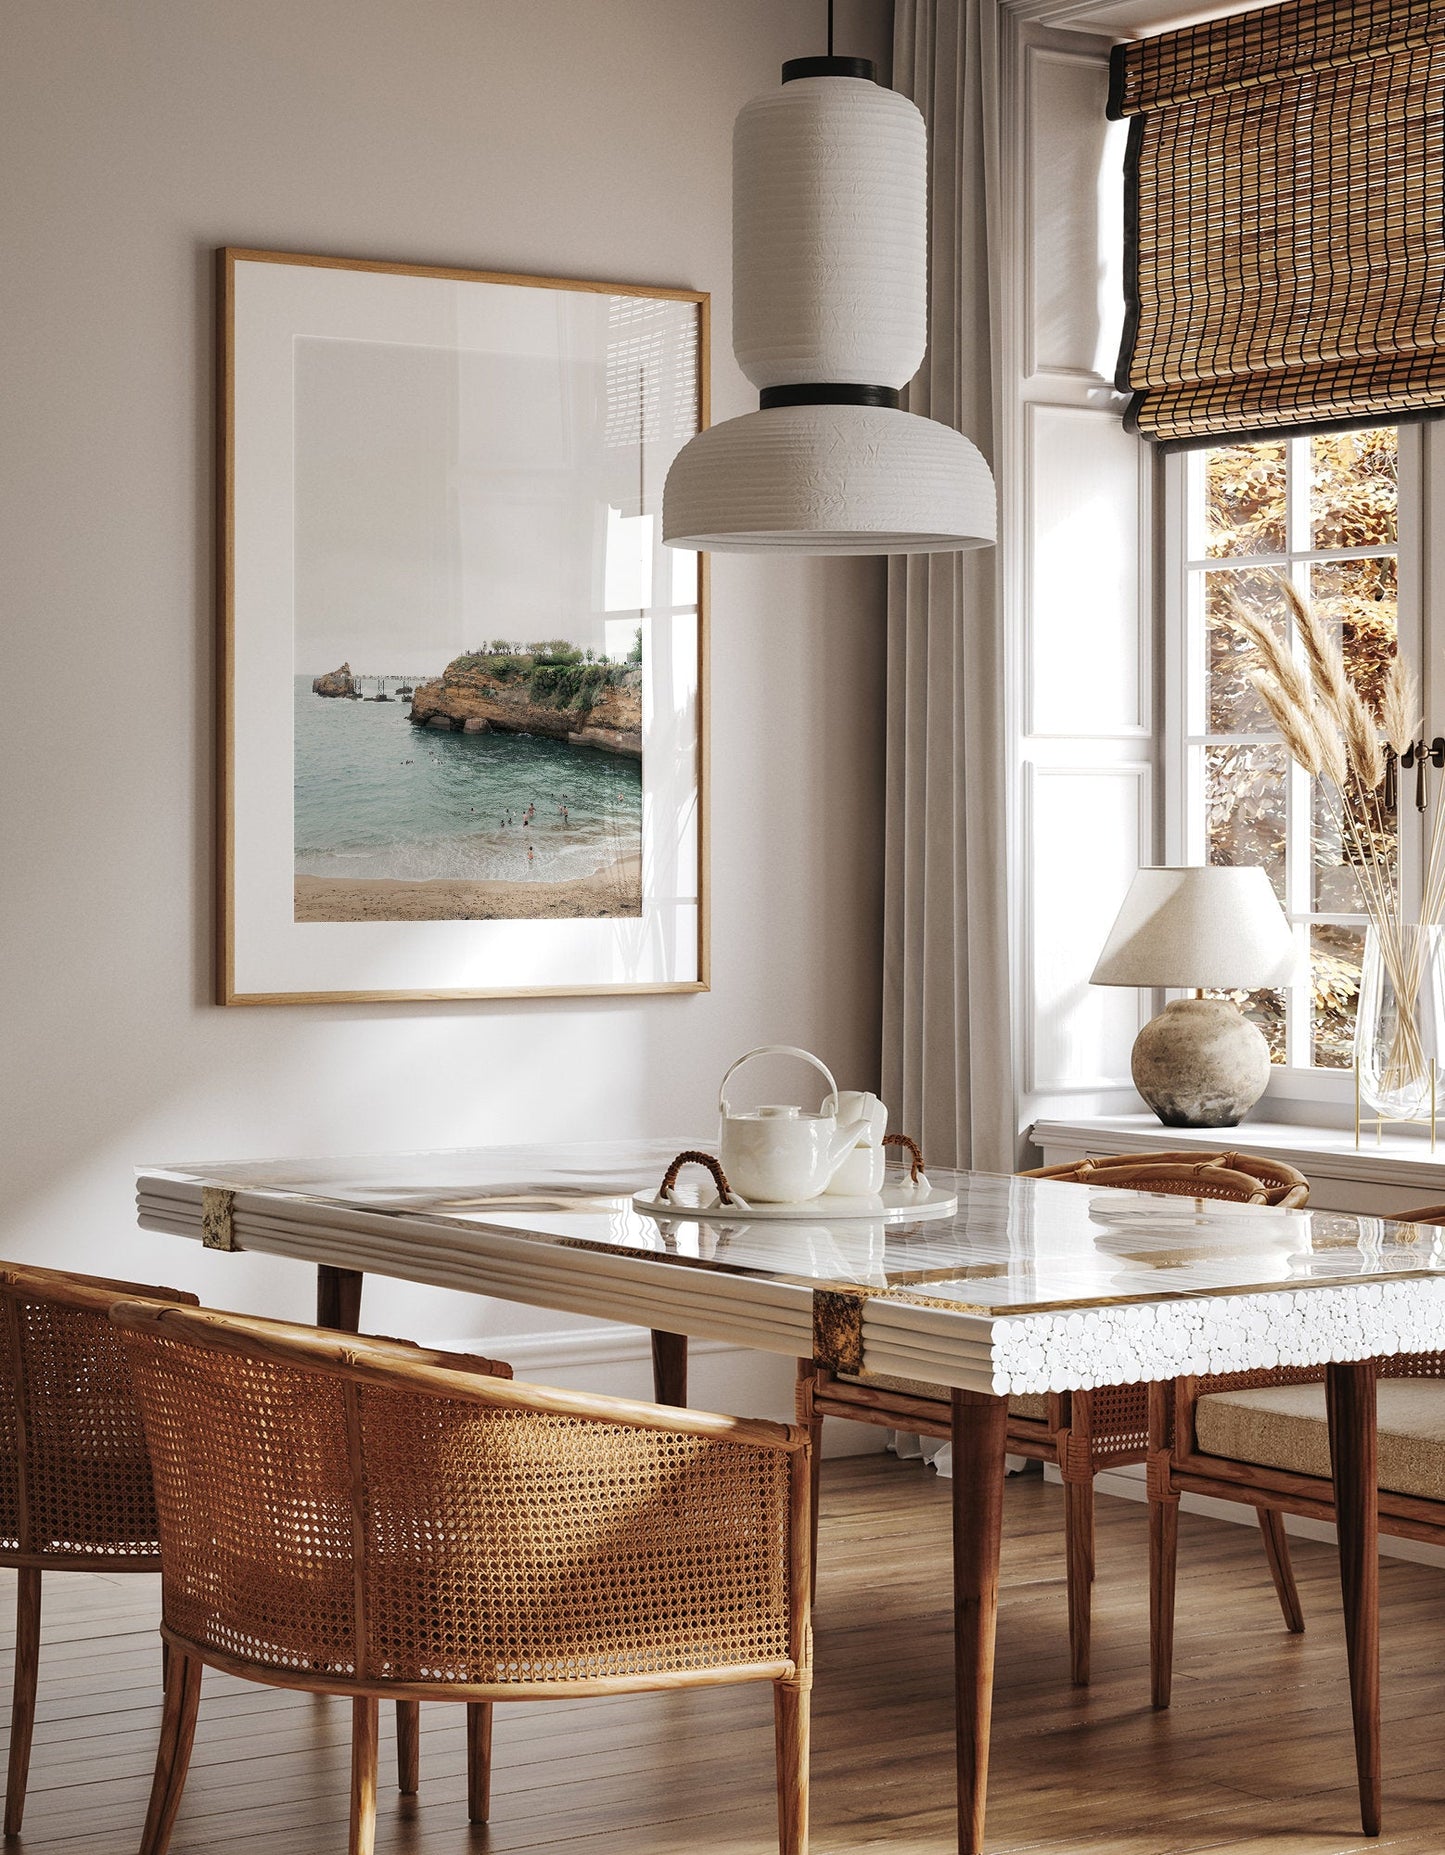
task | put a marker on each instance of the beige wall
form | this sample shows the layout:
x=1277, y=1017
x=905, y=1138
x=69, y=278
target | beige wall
x=556, y=136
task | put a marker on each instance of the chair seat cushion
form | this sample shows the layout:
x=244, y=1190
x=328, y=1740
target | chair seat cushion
x=1030, y=1404
x=1284, y=1427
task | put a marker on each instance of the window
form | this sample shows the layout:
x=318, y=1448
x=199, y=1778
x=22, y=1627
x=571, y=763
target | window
x=1337, y=513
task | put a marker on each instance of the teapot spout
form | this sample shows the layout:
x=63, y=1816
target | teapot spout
x=844, y=1141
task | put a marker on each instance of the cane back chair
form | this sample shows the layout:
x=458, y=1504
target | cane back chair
x=342, y=1516
x=1081, y=1432
x=75, y=1480
x=1262, y=1439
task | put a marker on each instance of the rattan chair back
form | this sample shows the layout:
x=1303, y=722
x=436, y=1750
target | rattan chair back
x=1241, y=1178
x=364, y=1516
x=339, y=1514
x=75, y=1481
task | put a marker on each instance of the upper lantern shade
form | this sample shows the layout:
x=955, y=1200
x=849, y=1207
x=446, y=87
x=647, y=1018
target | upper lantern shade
x=830, y=321
x=830, y=235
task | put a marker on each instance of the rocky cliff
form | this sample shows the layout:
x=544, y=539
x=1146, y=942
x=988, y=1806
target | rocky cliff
x=335, y=683
x=589, y=705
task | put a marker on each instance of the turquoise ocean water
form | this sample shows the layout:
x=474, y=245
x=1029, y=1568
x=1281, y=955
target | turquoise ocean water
x=377, y=798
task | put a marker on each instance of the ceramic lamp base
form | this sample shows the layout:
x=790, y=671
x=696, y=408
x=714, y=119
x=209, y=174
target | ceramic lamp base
x=1200, y=1064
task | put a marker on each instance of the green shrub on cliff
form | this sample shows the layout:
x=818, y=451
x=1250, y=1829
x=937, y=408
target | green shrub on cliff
x=501, y=665
x=555, y=673
x=566, y=685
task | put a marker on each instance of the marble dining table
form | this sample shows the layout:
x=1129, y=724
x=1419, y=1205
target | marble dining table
x=1028, y=1285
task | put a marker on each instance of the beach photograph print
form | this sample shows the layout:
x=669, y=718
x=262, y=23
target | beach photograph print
x=478, y=582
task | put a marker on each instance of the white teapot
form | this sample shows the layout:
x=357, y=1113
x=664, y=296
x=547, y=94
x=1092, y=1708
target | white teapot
x=778, y=1154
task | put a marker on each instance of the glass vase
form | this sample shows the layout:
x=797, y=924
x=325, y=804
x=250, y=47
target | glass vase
x=1400, y=1026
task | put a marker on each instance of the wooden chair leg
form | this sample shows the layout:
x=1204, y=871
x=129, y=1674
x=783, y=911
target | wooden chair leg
x=338, y=1298
x=791, y=1714
x=669, y=1369
x=1276, y=1550
x=1163, y=1560
x=408, y=1747
x=1079, y=1546
x=980, y=1425
x=1350, y=1408
x=479, y=1760
x=173, y=1755
x=807, y=1414
x=22, y=1706
x=363, y=1775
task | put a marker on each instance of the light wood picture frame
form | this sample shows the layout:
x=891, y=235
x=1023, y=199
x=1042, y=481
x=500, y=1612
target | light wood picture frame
x=449, y=481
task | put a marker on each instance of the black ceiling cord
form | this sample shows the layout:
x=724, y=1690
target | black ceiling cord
x=829, y=65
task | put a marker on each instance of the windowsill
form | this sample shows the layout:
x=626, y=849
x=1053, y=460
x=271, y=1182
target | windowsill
x=1401, y=1160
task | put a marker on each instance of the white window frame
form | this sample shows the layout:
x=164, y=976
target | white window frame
x=1306, y=1096
x=1421, y=633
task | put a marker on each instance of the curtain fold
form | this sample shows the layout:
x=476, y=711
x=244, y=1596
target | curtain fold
x=947, y=1040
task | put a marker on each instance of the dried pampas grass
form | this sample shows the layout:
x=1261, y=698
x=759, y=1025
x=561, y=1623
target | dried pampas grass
x=1295, y=722
x=1273, y=652
x=1331, y=746
x=1326, y=659
x=1400, y=714
x=1317, y=712
x=1362, y=739
x=1330, y=732
x=1337, y=695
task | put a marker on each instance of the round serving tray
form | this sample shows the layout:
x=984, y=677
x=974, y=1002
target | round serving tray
x=895, y=1204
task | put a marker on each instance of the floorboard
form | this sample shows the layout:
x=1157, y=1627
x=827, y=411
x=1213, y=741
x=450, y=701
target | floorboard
x=1253, y=1759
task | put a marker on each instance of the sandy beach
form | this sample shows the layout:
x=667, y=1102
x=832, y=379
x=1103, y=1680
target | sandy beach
x=613, y=891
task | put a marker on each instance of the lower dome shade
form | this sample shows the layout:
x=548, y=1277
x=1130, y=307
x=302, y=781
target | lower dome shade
x=829, y=479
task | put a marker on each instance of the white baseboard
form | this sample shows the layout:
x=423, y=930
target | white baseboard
x=616, y=1361
x=562, y=1349
x=1127, y=1484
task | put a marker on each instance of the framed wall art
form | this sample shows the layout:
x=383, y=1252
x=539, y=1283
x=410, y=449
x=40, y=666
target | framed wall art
x=463, y=682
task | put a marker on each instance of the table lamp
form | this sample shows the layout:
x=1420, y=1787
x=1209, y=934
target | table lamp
x=1200, y=1063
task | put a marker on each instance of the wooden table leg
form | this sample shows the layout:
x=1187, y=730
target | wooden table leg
x=1350, y=1404
x=338, y=1298
x=979, y=1424
x=669, y=1368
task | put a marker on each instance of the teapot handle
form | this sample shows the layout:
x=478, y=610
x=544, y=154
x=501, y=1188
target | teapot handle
x=777, y=1049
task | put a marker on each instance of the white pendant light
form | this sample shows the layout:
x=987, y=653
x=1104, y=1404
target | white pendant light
x=830, y=262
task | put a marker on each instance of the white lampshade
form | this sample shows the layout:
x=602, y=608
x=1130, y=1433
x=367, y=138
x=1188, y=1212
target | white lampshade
x=1215, y=927
x=829, y=480
x=830, y=269
x=830, y=234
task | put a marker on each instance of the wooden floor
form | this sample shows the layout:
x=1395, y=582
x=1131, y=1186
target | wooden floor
x=1255, y=1756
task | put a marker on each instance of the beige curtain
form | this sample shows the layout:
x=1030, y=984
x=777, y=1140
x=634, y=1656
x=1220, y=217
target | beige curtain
x=947, y=1046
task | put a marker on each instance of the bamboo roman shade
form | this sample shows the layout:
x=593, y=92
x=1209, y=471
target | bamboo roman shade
x=1285, y=207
